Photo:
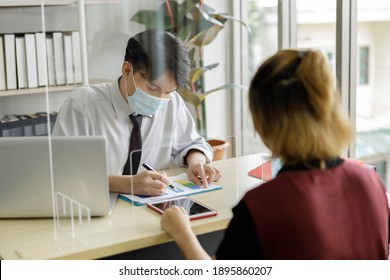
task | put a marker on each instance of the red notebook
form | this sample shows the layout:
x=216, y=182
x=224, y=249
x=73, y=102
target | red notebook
x=267, y=170
x=270, y=168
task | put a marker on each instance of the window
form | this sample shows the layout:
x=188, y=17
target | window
x=372, y=101
x=363, y=65
x=316, y=27
x=263, y=42
x=369, y=104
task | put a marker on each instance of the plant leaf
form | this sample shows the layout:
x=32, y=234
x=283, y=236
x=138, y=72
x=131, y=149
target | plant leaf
x=196, y=73
x=185, y=31
x=145, y=17
x=164, y=18
x=191, y=55
x=205, y=37
x=189, y=96
x=202, y=21
x=188, y=5
x=160, y=19
x=222, y=17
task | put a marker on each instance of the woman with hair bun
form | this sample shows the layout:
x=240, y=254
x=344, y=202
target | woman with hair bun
x=319, y=206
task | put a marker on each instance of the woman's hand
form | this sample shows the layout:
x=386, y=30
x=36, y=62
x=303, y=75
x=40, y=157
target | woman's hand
x=175, y=221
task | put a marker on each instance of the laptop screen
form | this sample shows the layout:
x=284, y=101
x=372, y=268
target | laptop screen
x=34, y=169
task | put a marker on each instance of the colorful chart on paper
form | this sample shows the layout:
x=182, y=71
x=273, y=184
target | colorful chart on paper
x=182, y=186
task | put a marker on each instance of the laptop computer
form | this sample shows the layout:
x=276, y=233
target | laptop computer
x=79, y=173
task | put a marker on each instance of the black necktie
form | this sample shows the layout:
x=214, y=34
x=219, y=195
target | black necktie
x=135, y=145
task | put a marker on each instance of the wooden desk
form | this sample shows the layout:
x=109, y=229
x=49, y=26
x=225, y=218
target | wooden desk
x=128, y=227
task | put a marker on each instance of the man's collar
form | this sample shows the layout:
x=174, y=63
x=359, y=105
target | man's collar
x=121, y=106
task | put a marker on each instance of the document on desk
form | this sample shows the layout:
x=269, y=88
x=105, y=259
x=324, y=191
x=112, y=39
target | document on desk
x=182, y=186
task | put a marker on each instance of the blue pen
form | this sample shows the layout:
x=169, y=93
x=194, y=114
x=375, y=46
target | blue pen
x=148, y=167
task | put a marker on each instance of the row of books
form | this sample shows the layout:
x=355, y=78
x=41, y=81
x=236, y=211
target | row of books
x=31, y=60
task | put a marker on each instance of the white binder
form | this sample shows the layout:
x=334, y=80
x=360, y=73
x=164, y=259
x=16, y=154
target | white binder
x=3, y=83
x=68, y=52
x=31, y=60
x=41, y=58
x=21, y=62
x=10, y=61
x=59, y=59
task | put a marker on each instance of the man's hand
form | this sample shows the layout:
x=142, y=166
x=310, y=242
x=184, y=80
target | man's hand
x=200, y=172
x=148, y=183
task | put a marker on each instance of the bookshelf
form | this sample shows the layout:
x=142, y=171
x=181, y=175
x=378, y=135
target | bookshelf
x=53, y=89
x=32, y=3
x=35, y=12
x=21, y=17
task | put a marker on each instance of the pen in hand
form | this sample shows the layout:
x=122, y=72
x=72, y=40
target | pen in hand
x=148, y=167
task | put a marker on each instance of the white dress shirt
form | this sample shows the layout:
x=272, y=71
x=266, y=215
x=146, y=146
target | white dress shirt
x=100, y=109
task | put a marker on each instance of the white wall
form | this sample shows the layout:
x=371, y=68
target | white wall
x=219, y=120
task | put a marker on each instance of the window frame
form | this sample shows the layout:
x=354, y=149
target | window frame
x=345, y=62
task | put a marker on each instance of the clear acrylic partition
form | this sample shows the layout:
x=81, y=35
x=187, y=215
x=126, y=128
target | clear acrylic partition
x=71, y=188
x=73, y=218
x=234, y=182
x=80, y=184
x=74, y=188
x=73, y=228
x=65, y=226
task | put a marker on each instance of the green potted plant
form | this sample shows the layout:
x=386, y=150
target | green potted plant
x=197, y=25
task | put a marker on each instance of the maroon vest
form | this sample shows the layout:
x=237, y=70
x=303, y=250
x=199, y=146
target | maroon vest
x=338, y=213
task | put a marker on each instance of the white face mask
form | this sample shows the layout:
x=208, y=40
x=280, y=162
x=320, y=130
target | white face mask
x=143, y=103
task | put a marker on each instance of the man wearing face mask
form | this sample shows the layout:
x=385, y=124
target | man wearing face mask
x=155, y=64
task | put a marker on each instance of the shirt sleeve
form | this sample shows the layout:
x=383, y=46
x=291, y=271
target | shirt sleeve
x=186, y=136
x=72, y=120
x=240, y=240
